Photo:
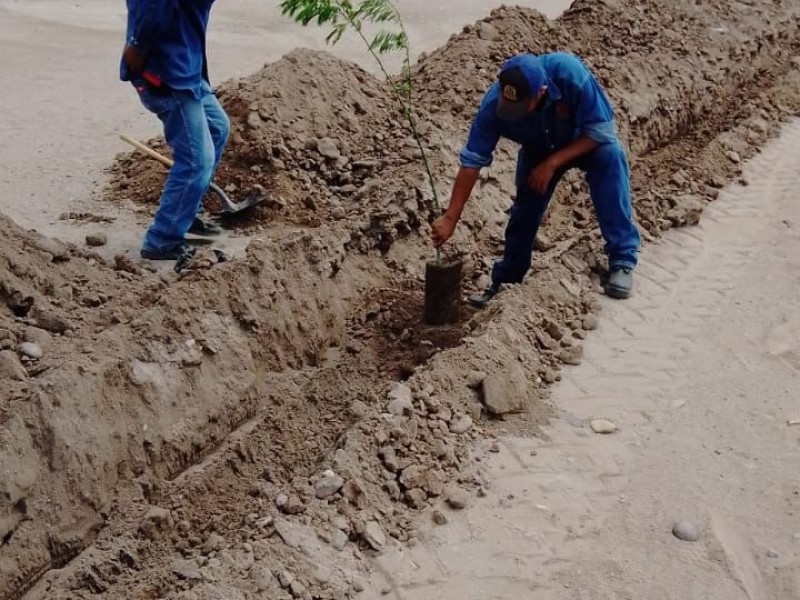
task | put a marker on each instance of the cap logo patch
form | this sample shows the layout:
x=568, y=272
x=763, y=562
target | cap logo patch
x=510, y=93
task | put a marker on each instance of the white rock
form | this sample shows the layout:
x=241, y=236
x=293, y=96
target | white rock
x=328, y=485
x=31, y=350
x=461, y=424
x=339, y=539
x=374, y=535
x=686, y=531
x=602, y=426
x=400, y=399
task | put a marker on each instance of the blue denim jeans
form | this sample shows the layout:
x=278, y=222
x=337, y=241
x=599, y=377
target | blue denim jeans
x=196, y=131
x=608, y=177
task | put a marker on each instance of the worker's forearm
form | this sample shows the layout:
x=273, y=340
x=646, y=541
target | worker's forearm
x=462, y=188
x=583, y=145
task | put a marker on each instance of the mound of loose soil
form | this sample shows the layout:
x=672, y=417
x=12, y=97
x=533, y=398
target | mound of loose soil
x=241, y=430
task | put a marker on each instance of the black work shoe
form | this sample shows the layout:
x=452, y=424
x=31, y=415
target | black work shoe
x=620, y=283
x=482, y=299
x=200, y=227
x=179, y=252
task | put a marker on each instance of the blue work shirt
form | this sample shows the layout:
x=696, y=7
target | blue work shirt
x=171, y=34
x=574, y=105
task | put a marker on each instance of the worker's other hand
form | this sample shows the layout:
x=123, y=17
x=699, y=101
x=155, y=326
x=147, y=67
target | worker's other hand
x=541, y=176
x=134, y=59
x=442, y=229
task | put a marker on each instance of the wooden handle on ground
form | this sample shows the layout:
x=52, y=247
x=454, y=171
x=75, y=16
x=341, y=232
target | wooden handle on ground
x=149, y=151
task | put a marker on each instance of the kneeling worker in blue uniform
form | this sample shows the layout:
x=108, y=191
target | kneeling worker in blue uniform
x=553, y=107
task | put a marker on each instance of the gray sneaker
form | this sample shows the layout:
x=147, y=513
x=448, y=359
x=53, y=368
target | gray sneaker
x=620, y=283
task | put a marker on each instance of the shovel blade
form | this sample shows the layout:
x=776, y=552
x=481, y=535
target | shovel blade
x=236, y=209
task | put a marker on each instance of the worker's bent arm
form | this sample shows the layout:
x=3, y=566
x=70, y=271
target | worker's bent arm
x=583, y=145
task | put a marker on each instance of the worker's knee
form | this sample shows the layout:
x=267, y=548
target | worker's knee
x=205, y=165
x=608, y=157
x=224, y=129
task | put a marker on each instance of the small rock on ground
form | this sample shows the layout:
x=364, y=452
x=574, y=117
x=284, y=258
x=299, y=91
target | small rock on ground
x=31, y=350
x=439, y=517
x=285, y=578
x=158, y=516
x=590, y=322
x=214, y=543
x=400, y=399
x=10, y=367
x=461, y=424
x=262, y=577
x=96, y=239
x=686, y=531
x=487, y=31
x=506, y=391
x=321, y=575
x=602, y=426
x=338, y=539
x=328, y=148
x=772, y=554
x=457, y=498
x=186, y=569
x=293, y=506
x=572, y=355
x=37, y=336
x=374, y=535
x=328, y=485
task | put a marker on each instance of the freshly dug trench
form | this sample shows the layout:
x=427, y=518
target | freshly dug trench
x=442, y=292
x=271, y=302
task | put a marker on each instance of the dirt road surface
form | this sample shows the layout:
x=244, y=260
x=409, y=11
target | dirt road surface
x=699, y=372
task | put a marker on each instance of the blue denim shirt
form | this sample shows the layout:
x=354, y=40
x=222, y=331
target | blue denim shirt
x=172, y=35
x=574, y=105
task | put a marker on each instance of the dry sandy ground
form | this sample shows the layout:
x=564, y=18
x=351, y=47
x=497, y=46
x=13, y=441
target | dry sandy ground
x=63, y=102
x=700, y=372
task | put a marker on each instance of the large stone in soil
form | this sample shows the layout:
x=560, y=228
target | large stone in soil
x=506, y=391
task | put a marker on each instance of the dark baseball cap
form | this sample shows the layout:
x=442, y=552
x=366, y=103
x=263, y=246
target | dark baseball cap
x=520, y=79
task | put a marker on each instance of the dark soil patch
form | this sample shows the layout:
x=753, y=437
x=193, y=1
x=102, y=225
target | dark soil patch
x=390, y=322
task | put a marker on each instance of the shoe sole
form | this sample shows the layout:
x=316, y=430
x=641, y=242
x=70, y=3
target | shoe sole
x=205, y=234
x=478, y=303
x=150, y=256
x=617, y=293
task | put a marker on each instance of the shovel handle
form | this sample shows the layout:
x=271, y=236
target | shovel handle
x=149, y=151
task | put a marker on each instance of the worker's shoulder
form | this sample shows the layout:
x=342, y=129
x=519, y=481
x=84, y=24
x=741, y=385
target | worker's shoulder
x=565, y=65
x=490, y=97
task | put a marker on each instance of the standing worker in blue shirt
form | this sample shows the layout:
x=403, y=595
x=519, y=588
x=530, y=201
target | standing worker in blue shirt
x=554, y=108
x=165, y=60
